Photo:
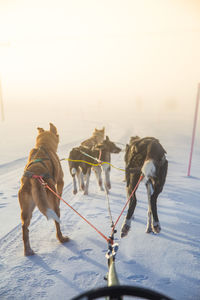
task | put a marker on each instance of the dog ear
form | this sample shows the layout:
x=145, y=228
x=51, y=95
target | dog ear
x=107, y=138
x=40, y=130
x=53, y=129
x=103, y=129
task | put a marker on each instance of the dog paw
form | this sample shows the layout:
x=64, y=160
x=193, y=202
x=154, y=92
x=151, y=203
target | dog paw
x=148, y=230
x=28, y=252
x=156, y=228
x=64, y=239
x=74, y=192
x=109, y=186
x=125, y=229
x=82, y=187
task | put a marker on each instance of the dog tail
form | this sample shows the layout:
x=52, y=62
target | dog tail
x=149, y=169
x=73, y=171
x=149, y=172
x=50, y=214
x=39, y=195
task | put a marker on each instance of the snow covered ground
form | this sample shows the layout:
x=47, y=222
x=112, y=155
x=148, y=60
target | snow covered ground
x=168, y=262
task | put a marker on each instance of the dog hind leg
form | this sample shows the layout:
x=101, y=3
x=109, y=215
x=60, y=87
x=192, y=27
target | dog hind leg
x=60, y=237
x=73, y=172
x=155, y=225
x=98, y=172
x=87, y=181
x=107, y=183
x=54, y=202
x=80, y=180
x=149, y=171
x=27, y=206
x=149, y=213
x=149, y=221
x=132, y=204
x=126, y=226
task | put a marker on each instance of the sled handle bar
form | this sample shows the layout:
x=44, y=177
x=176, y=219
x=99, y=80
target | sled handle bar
x=115, y=292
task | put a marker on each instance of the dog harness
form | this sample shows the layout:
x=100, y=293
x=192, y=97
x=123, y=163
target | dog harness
x=136, y=157
x=47, y=175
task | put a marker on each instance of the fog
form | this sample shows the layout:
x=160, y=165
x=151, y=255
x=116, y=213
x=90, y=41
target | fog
x=99, y=59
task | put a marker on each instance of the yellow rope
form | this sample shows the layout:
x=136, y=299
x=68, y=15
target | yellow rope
x=95, y=165
x=105, y=162
x=78, y=160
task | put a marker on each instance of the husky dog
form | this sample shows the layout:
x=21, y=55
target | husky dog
x=81, y=160
x=76, y=168
x=96, y=138
x=43, y=161
x=145, y=156
x=104, y=150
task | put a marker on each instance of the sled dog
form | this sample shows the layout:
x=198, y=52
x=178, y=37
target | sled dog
x=145, y=156
x=96, y=138
x=81, y=160
x=43, y=161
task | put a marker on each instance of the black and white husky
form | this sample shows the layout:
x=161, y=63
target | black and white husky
x=82, y=159
x=145, y=156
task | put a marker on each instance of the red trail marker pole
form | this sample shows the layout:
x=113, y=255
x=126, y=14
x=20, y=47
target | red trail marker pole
x=194, y=128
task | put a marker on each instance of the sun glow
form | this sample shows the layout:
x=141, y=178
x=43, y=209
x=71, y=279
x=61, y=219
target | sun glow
x=124, y=53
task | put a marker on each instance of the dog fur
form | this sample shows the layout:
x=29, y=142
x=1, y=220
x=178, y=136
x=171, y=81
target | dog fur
x=145, y=156
x=105, y=149
x=79, y=168
x=96, y=138
x=43, y=161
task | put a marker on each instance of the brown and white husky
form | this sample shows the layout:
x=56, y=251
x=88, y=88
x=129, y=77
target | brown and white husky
x=43, y=161
x=96, y=138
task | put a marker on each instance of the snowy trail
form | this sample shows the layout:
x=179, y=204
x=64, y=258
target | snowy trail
x=168, y=262
x=42, y=241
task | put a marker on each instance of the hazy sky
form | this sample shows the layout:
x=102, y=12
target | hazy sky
x=133, y=53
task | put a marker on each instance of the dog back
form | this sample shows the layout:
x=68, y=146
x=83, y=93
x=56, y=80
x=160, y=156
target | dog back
x=96, y=138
